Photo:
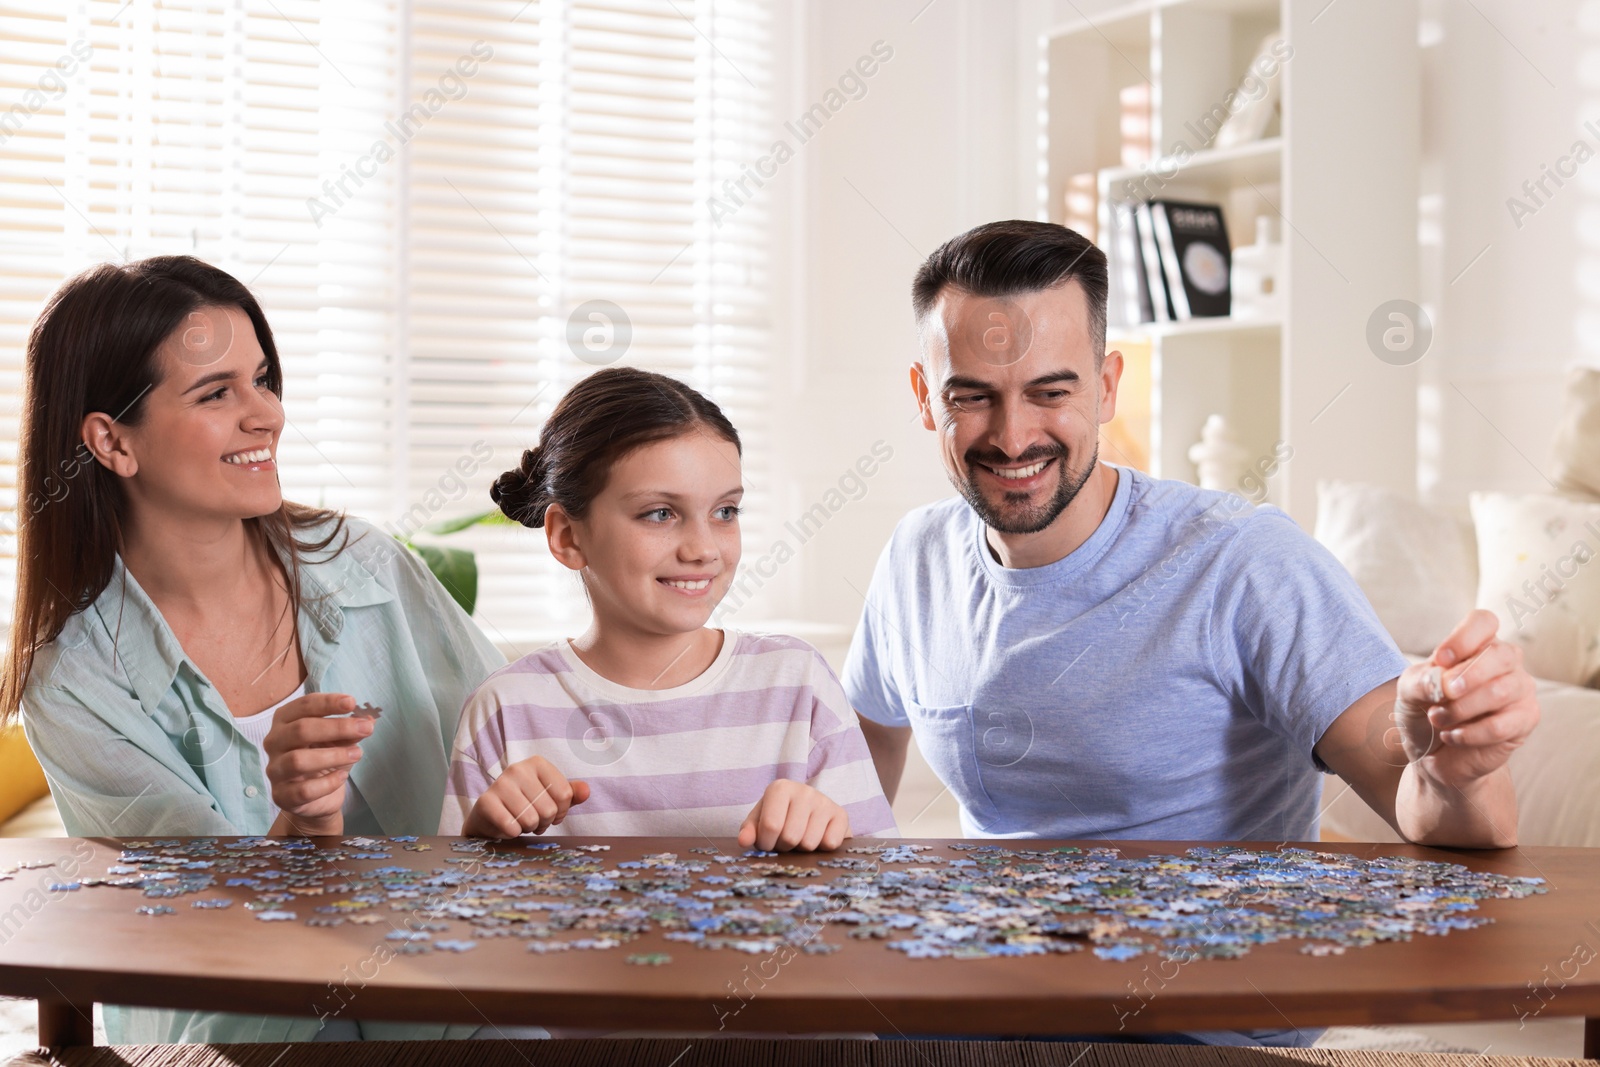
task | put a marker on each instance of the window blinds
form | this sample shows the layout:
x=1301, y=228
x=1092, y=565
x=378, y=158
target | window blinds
x=429, y=198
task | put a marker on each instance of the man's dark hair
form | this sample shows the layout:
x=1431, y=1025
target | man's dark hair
x=1016, y=256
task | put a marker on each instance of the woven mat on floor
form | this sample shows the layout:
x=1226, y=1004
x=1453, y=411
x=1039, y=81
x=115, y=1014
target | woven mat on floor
x=751, y=1053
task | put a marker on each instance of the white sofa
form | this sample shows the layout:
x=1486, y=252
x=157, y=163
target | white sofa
x=1419, y=567
x=38, y=819
x=1556, y=773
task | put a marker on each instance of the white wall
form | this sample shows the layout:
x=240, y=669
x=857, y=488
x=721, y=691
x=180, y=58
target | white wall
x=929, y=151
x=1504, y=92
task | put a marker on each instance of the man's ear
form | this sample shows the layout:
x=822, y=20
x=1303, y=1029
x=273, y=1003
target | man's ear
x=561, y=534
x=1110, y=375
x=919, y=387
x=108, y=441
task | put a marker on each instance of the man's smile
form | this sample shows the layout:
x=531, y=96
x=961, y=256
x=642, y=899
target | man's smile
x=1018, y=477
x=1018, y=473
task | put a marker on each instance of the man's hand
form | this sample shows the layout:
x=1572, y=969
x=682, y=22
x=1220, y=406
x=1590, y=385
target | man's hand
x=1428, y=750
x=309, y=757
x=530, y=795
x=794, y=816
x=1466, y=708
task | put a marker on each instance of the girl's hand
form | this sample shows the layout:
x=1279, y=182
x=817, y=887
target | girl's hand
x=793, y=816
x=530, y=795
x=309, y=757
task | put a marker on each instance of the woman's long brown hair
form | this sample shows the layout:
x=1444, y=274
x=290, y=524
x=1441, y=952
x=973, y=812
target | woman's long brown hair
x=93, y=349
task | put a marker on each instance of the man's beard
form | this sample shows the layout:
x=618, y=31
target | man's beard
x=1026, y=520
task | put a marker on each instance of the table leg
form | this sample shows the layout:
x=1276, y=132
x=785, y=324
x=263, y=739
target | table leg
x=63, y=1023
x=1591, y=1039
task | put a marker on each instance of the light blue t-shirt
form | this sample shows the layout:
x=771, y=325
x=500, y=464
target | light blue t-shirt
x=1166, y=680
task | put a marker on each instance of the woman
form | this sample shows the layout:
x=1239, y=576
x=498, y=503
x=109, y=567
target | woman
x=183, y=636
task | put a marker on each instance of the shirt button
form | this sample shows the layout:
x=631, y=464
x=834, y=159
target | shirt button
x=250, y=790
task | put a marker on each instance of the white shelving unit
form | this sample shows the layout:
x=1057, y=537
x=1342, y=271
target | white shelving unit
x=1338, y=172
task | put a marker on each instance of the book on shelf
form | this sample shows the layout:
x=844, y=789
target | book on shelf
x=1130, y=291
x=1150, y=263
x=1192, y=241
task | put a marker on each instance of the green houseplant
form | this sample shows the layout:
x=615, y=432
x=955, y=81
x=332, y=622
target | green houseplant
x=456, y=568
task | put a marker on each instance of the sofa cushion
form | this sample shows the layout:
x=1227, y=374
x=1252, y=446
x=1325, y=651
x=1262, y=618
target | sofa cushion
x=21, y=779
x=1537, y=571
x=1416, y=565
x=39, y=819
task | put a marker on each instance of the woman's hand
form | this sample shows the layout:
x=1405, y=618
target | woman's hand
x=309, y=757
x=530, y=795
x=794, y=816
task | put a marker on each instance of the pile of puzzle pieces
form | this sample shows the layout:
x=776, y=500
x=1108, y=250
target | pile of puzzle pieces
x=962, y=901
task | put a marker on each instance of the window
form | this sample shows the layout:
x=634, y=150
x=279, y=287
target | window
x=442, y=206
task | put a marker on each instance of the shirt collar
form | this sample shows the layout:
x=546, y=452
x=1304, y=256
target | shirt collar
x=1074, y=562
x=148, y=652
x=332, y=580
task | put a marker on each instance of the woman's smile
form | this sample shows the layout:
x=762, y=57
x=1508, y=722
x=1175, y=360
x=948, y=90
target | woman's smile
x=252, y=459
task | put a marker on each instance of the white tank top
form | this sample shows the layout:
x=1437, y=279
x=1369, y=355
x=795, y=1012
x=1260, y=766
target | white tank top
x=255, y=728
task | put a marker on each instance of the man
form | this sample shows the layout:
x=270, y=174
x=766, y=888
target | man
x=1085, y=651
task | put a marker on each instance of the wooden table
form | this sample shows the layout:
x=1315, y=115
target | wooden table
x=73, y=949
x=688, y=1052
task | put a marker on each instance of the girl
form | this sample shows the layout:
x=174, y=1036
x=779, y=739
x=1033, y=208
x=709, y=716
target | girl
x=185, y=640
x=652, y=723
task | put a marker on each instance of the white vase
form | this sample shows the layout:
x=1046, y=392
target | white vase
x=1218, y=457
x=1255, y=276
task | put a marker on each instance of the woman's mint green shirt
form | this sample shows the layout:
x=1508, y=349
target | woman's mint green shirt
x=137, y=743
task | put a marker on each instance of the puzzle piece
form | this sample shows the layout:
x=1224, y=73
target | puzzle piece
x=974, y=901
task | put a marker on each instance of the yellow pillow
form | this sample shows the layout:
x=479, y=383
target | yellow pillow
x=21, y=778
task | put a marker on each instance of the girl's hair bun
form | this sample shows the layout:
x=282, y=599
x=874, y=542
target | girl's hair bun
x=601, y=419
x=521, y=493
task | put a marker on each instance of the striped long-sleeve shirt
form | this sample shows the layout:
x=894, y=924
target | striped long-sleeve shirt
x=687, y=761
